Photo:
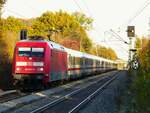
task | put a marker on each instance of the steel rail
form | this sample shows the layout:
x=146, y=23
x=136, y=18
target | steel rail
x=63, y=98
x=80, y=105
x=10, y=95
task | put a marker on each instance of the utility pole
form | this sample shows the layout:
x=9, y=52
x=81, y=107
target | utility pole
x=131, y=35
x=130, y=43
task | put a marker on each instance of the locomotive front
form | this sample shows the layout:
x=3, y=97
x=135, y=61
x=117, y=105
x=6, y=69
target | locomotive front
x=30, y=64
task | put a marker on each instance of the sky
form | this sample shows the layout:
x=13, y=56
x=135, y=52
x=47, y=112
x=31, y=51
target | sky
x=107, y=14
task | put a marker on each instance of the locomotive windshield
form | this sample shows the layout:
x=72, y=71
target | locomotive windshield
x=24, y=51
x=31, y=52
x=37, y=52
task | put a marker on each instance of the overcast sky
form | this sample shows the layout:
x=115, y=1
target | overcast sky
x=107, y=14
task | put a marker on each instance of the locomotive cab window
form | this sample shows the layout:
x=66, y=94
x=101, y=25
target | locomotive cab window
x=37, y=52
x=24, y=51
x=30, y=52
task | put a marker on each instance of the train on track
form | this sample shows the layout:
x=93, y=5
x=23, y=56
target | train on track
x=40, y=62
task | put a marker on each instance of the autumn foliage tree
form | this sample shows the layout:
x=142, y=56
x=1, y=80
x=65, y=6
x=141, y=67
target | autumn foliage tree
x=104, y=52
x=2, y=2
x=10, y=28
x=85, y=22
x=144, y=53
x=62, y=28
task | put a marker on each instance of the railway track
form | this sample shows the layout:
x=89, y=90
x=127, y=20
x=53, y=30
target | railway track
x=75, y=100
x=10, y=95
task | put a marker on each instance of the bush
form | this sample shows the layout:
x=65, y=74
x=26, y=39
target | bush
x=140, y=88
x=7, y=44
x=141, y=94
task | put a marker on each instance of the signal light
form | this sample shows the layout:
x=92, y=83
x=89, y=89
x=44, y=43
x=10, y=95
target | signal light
x=131, y=31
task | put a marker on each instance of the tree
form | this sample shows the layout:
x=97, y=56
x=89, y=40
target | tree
x=86, y=45
x=138, y=42
x=61, y=26
x=2, y=2
x=12, y=24
x=85, y=22
x=144, y=56
x=9, y=29
x=102, y=51
x=58, y=21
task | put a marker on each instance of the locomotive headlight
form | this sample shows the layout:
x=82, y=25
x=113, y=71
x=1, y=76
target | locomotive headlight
x=17, y=68
x=40, y=69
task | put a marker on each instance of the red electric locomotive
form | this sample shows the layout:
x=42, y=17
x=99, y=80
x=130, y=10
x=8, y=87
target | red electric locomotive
x=35, y=61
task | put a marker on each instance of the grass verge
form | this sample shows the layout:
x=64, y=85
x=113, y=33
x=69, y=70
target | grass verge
x=137, y=97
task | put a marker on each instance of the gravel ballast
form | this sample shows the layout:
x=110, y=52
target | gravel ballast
x=109, y=100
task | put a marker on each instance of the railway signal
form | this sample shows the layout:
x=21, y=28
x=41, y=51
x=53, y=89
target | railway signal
x=131, y=35
x=131, y=31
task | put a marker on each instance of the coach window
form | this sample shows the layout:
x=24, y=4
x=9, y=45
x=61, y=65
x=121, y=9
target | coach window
x=102, y=63
x=106, y=64
x=77, y=60
x=74, y=61
x=94, y=62
x=86, y=61
x=97, y=63
x=70, y=60
x=91, y=62
x=81, y=61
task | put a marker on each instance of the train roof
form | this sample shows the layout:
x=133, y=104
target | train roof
x=53, y=45
x=85, y=55
x=71, y=52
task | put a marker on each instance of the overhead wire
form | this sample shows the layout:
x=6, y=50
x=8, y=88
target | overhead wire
x=147, y=3
x=30, y=6
x=126, y=51
x=20, y=15
x=16, y=13
x=90, y=13
x=137, y=13
x=76, y=3
x=118, y=37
